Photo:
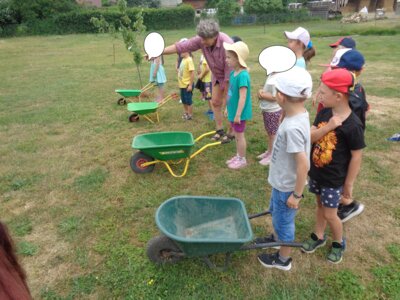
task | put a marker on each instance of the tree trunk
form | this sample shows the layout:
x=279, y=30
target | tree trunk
x=140, y=77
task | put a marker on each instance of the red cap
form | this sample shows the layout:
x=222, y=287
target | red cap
x=339, y=80
x=337, y=43
x=346, y=42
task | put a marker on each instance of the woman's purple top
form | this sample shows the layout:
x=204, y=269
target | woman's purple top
x=215, y=56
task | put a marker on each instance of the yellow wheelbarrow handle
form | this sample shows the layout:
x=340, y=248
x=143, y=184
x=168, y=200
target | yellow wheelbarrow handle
x=187, y=160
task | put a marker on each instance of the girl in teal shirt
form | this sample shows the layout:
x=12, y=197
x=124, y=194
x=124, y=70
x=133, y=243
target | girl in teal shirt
x=239, y=103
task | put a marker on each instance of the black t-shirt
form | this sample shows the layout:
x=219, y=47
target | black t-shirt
x=330, y=156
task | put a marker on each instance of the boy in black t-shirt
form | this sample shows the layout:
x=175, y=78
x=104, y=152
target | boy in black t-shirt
x=353, y=61
x=337, y=141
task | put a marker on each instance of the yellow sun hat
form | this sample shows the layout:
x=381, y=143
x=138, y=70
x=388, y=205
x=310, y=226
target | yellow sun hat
x=241, y=50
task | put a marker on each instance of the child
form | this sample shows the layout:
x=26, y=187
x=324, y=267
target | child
x=204, y=83
x=353, y=61
x=342, y=43
x=185, y=79
x=229, y=136
x=271, y=112
x=239, y=103
x=300, y=43
x=338, y=140
x=157, y=75
x=289, y=162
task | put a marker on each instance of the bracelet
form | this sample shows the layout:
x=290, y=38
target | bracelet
x=297, y=196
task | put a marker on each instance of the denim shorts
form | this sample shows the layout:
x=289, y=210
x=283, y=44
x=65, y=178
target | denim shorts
x=330, y=197
x=186, y=97
x=282, y=215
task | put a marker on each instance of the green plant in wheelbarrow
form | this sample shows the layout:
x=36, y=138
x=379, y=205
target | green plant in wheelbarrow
x=197, y=226
x=168, y=148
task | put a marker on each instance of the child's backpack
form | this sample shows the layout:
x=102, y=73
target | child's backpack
x=358, y=103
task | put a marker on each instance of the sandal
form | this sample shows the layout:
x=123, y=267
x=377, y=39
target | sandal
x=218, y=135
x=227, y=138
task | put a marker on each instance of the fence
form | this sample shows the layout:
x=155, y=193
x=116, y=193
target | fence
x=273, y=18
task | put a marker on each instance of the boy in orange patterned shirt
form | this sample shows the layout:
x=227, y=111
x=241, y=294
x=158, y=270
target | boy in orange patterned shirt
x=337, y=141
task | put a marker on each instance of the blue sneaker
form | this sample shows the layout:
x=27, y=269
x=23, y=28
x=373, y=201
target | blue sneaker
x=394, y=138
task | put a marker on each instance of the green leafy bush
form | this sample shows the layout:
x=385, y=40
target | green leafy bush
x=227, y=9
x=259, y=7
x=78, y=21
x=154, y=19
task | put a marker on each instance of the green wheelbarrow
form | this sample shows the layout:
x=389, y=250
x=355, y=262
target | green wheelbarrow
x=168, y=148
x=126, y=94
x=197, y=226
x=148, y=109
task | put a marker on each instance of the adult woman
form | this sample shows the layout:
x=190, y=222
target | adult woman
x=210, y=40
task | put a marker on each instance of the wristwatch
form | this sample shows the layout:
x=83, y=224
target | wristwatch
x=297, y=196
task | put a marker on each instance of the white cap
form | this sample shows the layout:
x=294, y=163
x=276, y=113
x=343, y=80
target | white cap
x=296, y=82
x=300, y=34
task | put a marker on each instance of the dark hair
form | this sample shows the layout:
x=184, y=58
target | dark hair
x=308, y=54
x=12, y=276
x=235, y=38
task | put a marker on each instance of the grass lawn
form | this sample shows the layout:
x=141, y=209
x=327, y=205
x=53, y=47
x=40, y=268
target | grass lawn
x=81, y=218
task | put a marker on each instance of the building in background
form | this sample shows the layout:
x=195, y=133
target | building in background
x=170, y=3
x=96, y=3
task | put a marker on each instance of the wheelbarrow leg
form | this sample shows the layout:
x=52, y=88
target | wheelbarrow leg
x=148, y=119
x=212, y=266
x=187, y=161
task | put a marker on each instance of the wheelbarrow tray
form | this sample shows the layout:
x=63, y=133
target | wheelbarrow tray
x=202, y=226
x=129, y=93
x=143, y=108
x=165, y=146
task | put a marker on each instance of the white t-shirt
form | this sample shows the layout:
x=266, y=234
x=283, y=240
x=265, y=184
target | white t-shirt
x=293, y=136
x=265, y=105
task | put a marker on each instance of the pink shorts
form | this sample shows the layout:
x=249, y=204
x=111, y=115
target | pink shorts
x=239, y=127
x=271, y=121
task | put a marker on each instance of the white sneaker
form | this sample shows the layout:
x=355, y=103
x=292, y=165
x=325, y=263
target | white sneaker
x=238, y=163
x=266, y=160
x=232, y=159
x=263, y=155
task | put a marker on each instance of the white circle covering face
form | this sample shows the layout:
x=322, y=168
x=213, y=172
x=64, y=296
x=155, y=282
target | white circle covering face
x=276, y=59
x=154, y=44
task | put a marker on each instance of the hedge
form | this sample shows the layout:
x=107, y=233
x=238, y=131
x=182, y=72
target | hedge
x=79, y=21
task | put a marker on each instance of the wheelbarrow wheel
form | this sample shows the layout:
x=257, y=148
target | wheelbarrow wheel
x=138, y=159
x=163, y=250
x=121, y=101
x=133, y=117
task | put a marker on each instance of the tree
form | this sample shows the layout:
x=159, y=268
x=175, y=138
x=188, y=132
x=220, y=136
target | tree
x=7, y=15
x=227, y=9
x=260, y=7
x=131, y=33
x=212, y=3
